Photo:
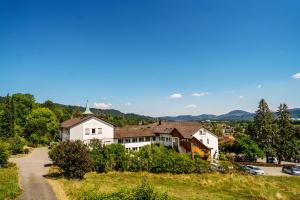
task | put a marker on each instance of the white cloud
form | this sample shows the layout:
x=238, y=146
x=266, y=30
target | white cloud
x=241, y=97
x=259, y=86
x=202, y=94
x=103, y=106
x=296, y=76
x=191, y=106
x=175, y=96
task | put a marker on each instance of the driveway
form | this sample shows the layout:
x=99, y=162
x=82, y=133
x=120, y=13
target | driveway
x=274, y=171
x=31, y=171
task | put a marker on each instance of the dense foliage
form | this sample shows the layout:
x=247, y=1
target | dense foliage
x=154, y=158
x=24, y=121
x=41, y=126
x=73, y=158
x=275, y=136
x=4, y=153
x=245, y=145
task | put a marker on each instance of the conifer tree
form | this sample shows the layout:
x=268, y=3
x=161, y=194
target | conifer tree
x=7, y=123
x=285, y=138
x=264, y=128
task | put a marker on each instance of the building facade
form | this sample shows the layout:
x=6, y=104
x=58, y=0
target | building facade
x=186, y=137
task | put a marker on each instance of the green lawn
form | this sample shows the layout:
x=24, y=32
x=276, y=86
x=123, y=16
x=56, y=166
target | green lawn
x=9, y=188
x=192, y=186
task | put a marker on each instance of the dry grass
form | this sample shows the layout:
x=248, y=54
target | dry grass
x=192, y=186
x=9, y=185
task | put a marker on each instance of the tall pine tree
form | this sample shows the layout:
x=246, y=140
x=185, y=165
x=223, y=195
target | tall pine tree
x=263, y=132
x=285, y=138
x=7, y=123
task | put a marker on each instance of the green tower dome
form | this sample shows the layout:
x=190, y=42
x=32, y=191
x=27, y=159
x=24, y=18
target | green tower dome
x=87, y=109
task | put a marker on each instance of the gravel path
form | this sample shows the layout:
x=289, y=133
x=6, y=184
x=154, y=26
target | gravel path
x=32, y=168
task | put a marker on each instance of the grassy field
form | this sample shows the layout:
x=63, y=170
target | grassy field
x=9, y=188
x=192, y=186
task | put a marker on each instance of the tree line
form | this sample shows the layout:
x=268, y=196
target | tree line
x=268, y=135
x=23, y=121
x=74, y=158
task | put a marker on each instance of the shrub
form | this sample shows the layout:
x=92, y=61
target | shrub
x=118, y=157
x=201, y=166
x=72, y=157
x=99, y=156
x=52, y=145
x=181, y=163
x=223, y=157
x=134, y=163
x=143, y=191
x=17, y=144
x=4, y=153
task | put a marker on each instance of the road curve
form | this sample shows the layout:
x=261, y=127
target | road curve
x=31, y=171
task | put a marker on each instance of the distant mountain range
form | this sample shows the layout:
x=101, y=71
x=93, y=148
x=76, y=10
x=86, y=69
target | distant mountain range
x=236, y=115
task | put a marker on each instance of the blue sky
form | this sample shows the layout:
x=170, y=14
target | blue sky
x=134, y=55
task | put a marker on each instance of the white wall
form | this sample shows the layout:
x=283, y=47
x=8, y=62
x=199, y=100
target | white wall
x=158, y=139
x=212, y=143
x=78, y=132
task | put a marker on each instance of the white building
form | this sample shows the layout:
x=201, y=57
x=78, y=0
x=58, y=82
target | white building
x=208, y=139
x=86, y=128
x=188, y=137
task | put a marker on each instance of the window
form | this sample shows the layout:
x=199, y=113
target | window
x=163, y=138
x=93, y=131
x=207, y=141
x=147, y=139
x=120, y=141
x=127, y=140
x=87, y=131
x=99, y=130
x=200, y=132
x=141, y=139
x=134, y=139
x=153, y=138
x=201, y=140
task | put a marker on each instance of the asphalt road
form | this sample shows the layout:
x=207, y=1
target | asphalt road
x=273, y=171
x=32, y=168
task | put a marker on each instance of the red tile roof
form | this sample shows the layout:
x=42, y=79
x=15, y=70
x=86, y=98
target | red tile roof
x=74, y=121
x=186, y=129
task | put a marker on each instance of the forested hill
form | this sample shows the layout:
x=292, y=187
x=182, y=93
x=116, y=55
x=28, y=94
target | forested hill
x=236, y=115
x=113, y=116
x=23, y=103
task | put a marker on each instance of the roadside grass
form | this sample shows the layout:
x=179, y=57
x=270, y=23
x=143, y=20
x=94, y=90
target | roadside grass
x=189, y=186
x=9, y=185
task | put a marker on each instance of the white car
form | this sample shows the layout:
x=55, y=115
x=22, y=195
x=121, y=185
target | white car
x=291, y=169
x=254, y=170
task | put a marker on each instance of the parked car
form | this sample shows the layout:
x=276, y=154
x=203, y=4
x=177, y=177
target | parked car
x=272, y=159
x=291, y=169
x=252, y=170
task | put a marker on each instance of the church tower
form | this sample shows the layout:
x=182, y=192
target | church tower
x=87, y=109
